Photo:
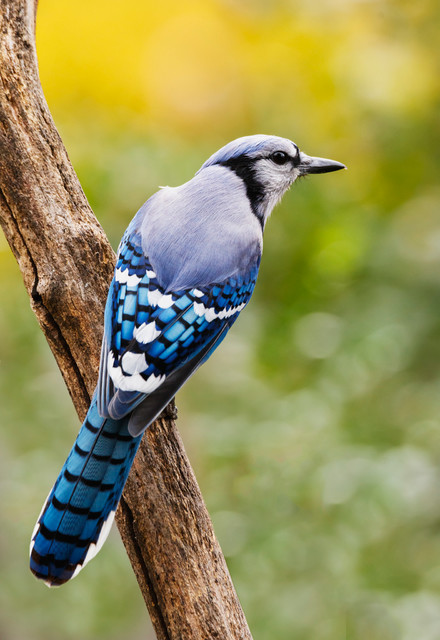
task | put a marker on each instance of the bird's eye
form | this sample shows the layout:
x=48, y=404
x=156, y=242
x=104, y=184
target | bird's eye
x=280, y=157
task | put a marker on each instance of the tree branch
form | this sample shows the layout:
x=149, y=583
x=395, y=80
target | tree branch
x=67, y=265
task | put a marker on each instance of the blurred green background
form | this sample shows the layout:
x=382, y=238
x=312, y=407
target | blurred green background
x=314, y=431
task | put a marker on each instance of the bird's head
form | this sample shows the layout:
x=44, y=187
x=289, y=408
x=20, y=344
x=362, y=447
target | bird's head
x=268, y=165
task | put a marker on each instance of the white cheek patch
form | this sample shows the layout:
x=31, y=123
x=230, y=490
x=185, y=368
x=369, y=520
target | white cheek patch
x=211, y=314
x=275, y=180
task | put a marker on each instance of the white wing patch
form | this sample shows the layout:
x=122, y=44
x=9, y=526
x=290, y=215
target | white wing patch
x=133, y=362
x=166, y=301
x=146, y=332
x=157, y=299
x=211, y=314
x=133, y=382
x=123, y=278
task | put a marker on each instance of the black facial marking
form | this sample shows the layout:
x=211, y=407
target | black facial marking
x=296, y=160
x=282, y=157
x=243, y=167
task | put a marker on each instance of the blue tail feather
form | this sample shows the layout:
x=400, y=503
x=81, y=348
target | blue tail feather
x=80, y=508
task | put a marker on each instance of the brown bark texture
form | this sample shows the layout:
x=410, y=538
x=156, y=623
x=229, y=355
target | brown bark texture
x=67, y=264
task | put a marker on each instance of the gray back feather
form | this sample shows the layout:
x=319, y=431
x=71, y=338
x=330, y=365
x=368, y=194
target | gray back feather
x=201, y=232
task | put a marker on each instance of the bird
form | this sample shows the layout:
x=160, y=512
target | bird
x=186, y=267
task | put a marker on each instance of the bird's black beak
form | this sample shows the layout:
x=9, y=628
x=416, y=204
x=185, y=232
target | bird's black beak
x=308, y=164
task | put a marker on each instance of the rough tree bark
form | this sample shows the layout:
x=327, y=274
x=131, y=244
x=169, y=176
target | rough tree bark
x=67, y=264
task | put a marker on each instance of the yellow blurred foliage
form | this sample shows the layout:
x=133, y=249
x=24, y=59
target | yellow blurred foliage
x=225, y=65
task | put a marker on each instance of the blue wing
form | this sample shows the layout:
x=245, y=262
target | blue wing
x=154, y=339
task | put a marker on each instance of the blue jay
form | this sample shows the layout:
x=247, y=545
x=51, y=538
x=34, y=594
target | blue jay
x=186, y=267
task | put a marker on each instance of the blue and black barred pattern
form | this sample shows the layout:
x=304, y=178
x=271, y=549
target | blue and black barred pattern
x=154, y=331
x=79, y=511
